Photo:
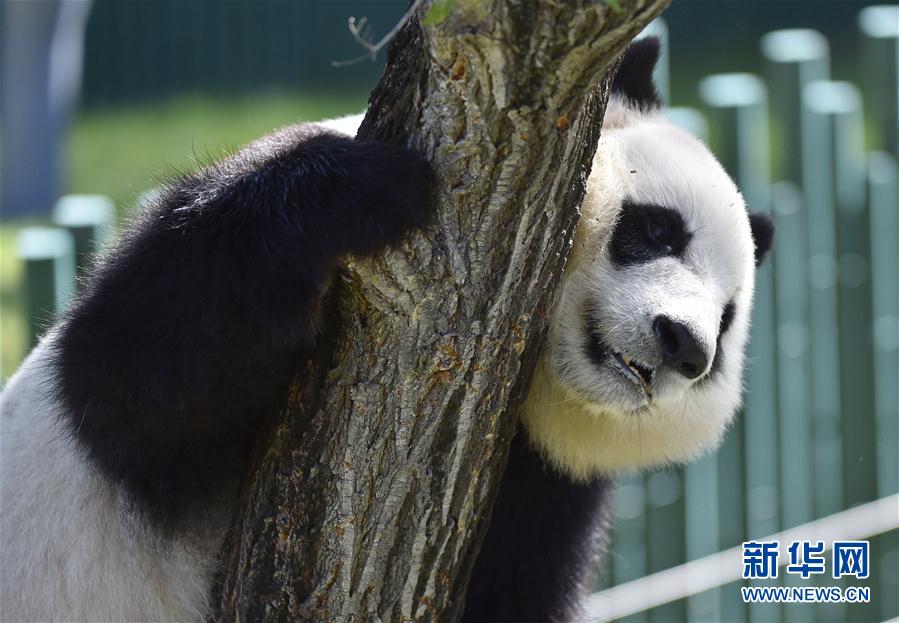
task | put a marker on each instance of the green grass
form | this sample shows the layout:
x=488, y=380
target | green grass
x=123, y=152
x=13, y=329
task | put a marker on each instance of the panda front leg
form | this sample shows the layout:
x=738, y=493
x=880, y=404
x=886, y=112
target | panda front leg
x=186, y=334
x=144, y=399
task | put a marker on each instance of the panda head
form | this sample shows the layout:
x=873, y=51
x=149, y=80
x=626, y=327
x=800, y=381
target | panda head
x=644, y=361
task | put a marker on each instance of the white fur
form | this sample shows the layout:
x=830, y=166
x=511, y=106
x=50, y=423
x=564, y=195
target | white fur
x=70, y=547
x=348, y=124
x=589, y=420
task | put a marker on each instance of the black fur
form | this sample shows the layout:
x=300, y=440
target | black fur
x=647, y=232
x=762, y=234
x=542, y=549
x=634, y=77
x=188, y=332
x=594, y=346
x=727, y=318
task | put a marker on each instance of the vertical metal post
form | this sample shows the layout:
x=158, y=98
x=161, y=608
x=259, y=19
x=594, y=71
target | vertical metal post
x=702, y=531
x=666, y=546
x=839, y=303
x=880, y=26
x=883, y=202
x=883, y=199
x=793, y=59
x=795, y=424
x=89, y=218
x=854, y=297
x=48, y=254
x=628, y=555
x=822, y=100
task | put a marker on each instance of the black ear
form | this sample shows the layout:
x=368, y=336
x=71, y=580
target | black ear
x=634, y=78
x=762, y=234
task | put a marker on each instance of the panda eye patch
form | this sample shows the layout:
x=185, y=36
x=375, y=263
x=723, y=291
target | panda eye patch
x=645, y=232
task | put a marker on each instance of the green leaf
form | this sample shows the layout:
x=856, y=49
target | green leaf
x=615, y=5
x=439, y=11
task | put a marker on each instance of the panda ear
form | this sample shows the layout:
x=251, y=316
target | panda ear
x=634, y=77
x=762, y=234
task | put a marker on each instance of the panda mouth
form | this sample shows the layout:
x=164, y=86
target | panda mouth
x=639, y=374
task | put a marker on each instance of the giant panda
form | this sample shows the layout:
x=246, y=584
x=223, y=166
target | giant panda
x=126, y=431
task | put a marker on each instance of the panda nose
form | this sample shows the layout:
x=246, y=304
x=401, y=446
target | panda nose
x=679, y=347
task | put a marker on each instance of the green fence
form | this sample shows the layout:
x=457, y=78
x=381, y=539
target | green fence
x=819, y=432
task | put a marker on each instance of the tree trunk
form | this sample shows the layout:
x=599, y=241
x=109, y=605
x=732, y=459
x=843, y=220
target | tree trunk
x=372, y=493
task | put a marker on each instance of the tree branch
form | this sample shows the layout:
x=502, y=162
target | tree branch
x=357, y=29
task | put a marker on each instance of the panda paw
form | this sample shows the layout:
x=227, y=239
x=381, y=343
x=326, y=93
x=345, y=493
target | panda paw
x=394, y=188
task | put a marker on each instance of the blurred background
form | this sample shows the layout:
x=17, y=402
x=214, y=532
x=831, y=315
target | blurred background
x=101, y=100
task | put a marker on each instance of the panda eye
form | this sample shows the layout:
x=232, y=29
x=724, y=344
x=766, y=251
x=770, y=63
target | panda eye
x=658, y=233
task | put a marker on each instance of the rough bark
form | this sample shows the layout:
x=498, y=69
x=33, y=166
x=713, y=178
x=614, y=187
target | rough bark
x=373, y=491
